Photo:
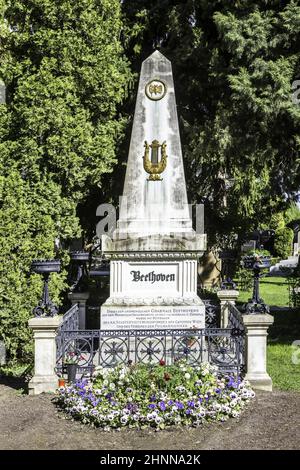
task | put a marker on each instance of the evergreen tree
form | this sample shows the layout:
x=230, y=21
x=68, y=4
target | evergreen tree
x=234, y=66
x=65, y=74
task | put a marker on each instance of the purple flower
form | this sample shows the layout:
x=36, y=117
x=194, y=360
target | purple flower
x=170, y=402
x=132, y=407
x=188, y=411
x=153, y=398
x=162, y=405
x=218, y=390
x=152, y=406
x=179, y=405
x=233, y=383
x=191, y=403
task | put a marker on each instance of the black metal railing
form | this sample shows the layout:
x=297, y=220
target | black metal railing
x=235, y=323
x=220, y=347
x=70, y=322
x=235, y=318
x=212, y=313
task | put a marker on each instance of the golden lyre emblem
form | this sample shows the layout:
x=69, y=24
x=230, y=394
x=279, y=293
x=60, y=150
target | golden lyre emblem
x=152, y=165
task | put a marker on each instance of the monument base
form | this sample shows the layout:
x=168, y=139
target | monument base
x=154, y=290
x=152, y=317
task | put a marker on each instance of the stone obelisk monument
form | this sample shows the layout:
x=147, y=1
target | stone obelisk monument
x=154, y=250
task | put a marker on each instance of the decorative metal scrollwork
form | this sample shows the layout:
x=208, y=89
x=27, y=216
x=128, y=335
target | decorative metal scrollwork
x=188, y=348
x=79, y=350
x=150, y=349
x=113, y=351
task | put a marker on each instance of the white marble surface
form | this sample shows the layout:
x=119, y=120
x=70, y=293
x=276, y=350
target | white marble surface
x=44, y=332
x=154, y=215
x=149, y=318
x=256, y=350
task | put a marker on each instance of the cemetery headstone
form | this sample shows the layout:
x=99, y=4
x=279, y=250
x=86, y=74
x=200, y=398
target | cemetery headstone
x=154, y=250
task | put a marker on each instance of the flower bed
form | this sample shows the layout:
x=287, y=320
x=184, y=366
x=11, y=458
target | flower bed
x=158, y=396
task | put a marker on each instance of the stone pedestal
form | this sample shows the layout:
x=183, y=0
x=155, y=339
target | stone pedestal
x=44, y=331
x=256, y=327
x=153, y=291
x=226, y=296
x=80, y=298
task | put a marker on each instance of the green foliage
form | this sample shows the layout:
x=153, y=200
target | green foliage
x=258, y=253
x=292, y=214
x=277, y=221
x=65, y=73
x=283, y=242
x=244, y=279
x=234, y=63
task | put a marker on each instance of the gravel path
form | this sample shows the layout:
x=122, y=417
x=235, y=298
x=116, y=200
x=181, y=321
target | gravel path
x=272, y=421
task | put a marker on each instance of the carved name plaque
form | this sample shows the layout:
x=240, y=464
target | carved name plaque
x=149, y=318
x=142, y=278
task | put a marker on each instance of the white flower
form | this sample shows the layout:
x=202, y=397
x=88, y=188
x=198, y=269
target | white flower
x=124, y=419
x=112, y=386
x=217, y=406
x=187, y=376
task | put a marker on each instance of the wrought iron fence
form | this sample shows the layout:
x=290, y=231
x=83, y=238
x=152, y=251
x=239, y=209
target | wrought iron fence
x=235, y=319
x=222, y=347
x=212, y=313
x=70, y=322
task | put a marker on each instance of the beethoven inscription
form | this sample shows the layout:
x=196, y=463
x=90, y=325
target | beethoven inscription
x=151, y=277
x=154, y=279
x=149, y=318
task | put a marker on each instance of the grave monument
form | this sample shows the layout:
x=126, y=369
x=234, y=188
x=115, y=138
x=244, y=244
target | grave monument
x=154, y=250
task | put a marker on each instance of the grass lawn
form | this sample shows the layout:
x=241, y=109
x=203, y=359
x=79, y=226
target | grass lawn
x=285, y=330
x=274, y=291
x=283, y=356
